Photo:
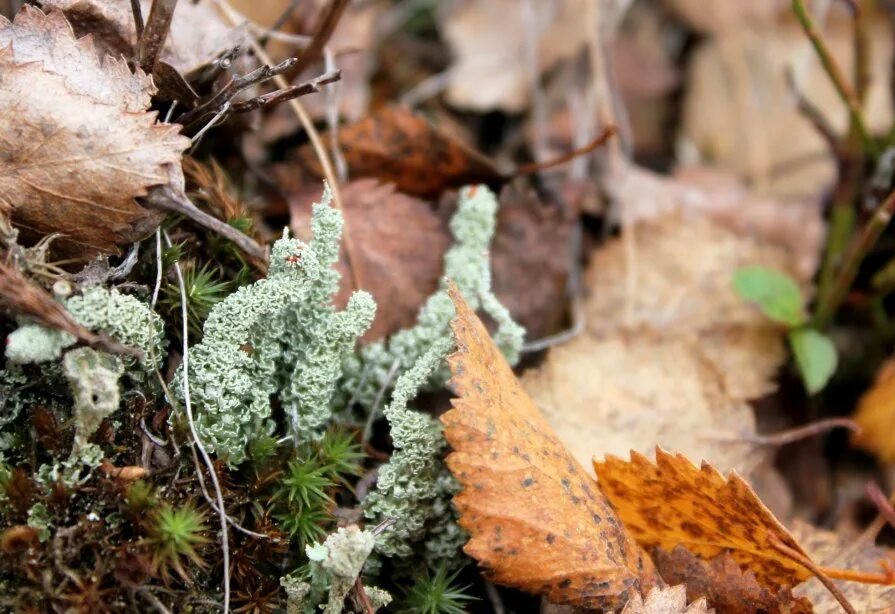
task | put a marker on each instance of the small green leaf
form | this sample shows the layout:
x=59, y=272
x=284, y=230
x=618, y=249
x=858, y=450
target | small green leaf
x=776, y=294
x=815, y=356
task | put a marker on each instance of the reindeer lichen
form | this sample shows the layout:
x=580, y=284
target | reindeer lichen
x=414, y=488
x=124, y=317
x=93, y=377
x=278, y=336
x=468, y=265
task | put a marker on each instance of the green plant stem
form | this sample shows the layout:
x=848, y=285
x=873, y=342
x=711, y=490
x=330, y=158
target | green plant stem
x=834, y=71
x=830, y=301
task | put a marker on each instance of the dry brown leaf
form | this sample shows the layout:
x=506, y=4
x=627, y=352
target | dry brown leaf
x=197, y=35
x=740, y=113
x=668, y=600
x=396, y=145
x=672, y=502
x=794, y=225
x=74, y=162
x=876, y=415
x=718, y=16
x=673, y=364
x=724, y=585
x=532, y=249
x=400, y=269
x=638, y=390
x=489, y=41
x=536, y=519
x=831, y=550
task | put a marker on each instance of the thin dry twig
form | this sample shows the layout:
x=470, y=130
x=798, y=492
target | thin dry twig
x=138, y=17
x=219, y=496
x=165, y=198
x=881, y=501
x=287, y=93
x=153, y=37
x=817, y=571
x=796, y=434
x=316, y=142
x=323, y=31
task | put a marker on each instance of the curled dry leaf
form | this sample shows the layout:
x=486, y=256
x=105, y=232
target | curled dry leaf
x=396, y=145
x=536, y=519
x=725, y=586
x=832, y=550
x=668, y=600
x=670, y=354
x=876, y=415
x=197, y=35
x=672, y=502
x=82, y=145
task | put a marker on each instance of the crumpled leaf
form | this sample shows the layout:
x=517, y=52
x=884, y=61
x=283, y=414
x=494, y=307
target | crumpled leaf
x=197, y=35
x=77, y=152
x=876, y=415
x=396, y=145
x=831, y=550
x=674, y=363
x=672, y=502
x=668, y=600
x=536, y=519
x=724, y=584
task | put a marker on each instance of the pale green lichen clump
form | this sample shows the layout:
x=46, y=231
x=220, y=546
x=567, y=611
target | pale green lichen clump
x=127, y=319
x=467, y=264
x=334, y=567
x=281, y=335
x=414, y=488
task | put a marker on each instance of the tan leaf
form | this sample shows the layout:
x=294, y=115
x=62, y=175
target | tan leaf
x=668, y=600
x=670, y=354
x=535, y=518
x=831, y=550
x=876, y=415
x=724, y=584
x=674, y=502
x=739, y=112
x=74, y=164
x=197, y=34
x=489, y=40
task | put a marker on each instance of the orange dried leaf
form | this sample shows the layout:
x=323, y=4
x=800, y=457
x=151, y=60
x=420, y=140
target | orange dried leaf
x=876, y=415
x=536, y=519
x=673, y=502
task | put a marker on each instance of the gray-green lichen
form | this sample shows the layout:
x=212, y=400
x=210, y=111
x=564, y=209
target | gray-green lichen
x=123, y=317
x=414, y=488
x=334, y=567
x=468, y=265
x=39, y=520
x=93, y=377
x=279, y=336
